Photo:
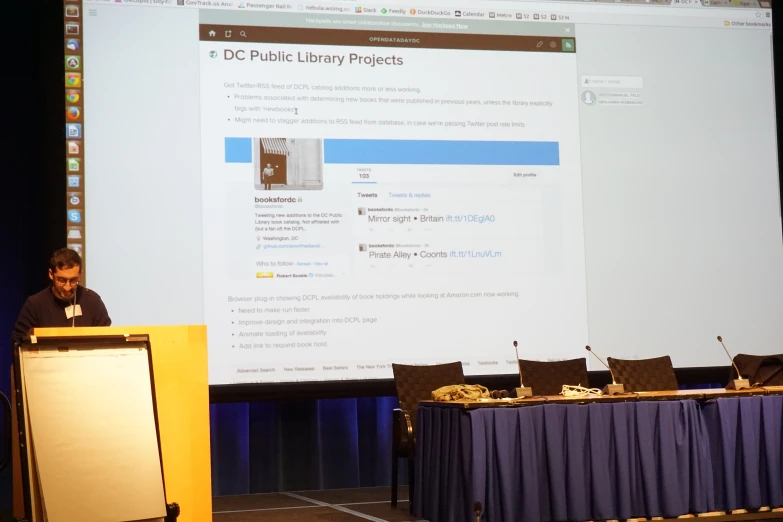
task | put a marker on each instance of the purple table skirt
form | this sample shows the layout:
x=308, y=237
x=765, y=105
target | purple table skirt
x=598, y=461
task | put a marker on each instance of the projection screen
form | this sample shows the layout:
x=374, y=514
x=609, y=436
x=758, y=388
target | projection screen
x=333, y=187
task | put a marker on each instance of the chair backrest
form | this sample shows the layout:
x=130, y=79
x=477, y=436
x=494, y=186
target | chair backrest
x=416, y=383
x=766, y=370
x=548, y=377
x=638, y=375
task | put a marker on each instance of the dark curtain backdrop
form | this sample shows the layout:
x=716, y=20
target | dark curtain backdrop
x=32, y=172
x=264, y=447
x=294, y=445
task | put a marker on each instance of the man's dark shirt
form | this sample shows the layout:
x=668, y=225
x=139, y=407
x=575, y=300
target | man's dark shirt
x=44, y=310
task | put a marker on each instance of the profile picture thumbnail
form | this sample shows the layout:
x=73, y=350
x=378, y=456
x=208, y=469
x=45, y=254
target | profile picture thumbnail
x=288, y=164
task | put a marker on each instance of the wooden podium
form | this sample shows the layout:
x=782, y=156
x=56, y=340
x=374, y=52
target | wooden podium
x=155, y=432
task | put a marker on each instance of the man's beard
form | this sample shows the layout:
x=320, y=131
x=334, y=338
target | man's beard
x=65, y=296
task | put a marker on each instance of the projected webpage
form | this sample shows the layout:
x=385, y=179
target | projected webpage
x=334, y=188
x=341, y=232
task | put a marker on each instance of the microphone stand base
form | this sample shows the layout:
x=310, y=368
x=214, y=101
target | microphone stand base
x=523, y=392
x=738, y=384
x=613, y=389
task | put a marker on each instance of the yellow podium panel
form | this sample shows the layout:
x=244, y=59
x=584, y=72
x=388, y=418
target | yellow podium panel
x=179, y=361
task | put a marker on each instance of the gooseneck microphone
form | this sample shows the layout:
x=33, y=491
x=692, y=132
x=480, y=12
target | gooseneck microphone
x=609, y=389
x=602, y=362
x=522, y=391
x=731, y=359
x=477, y=504
x=519, y=368
x=739, y=383
x=73, y=310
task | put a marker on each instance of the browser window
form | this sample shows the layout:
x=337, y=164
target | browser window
x=332, y=187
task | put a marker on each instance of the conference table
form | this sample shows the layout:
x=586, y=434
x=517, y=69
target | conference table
x=652, y=455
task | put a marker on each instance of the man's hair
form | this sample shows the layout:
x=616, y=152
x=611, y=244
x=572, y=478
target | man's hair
x=63, y=259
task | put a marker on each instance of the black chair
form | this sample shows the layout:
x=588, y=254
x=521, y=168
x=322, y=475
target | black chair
x=414, y=384
x=760, y=370
x=644, y=375
x=548, y=377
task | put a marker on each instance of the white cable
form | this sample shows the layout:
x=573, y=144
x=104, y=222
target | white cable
x=579, y=391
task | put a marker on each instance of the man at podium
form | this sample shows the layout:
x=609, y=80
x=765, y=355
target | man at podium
x=64, y=302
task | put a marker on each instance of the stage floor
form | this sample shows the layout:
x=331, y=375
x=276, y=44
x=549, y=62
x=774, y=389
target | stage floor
x=331, y=505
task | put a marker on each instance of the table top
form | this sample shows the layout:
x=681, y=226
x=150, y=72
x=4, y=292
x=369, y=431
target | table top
x=672, y=395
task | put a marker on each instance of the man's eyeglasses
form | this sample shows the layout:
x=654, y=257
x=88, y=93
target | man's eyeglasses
x=61, y=281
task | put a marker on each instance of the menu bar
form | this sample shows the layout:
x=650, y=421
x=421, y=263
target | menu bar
x=74, y=127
